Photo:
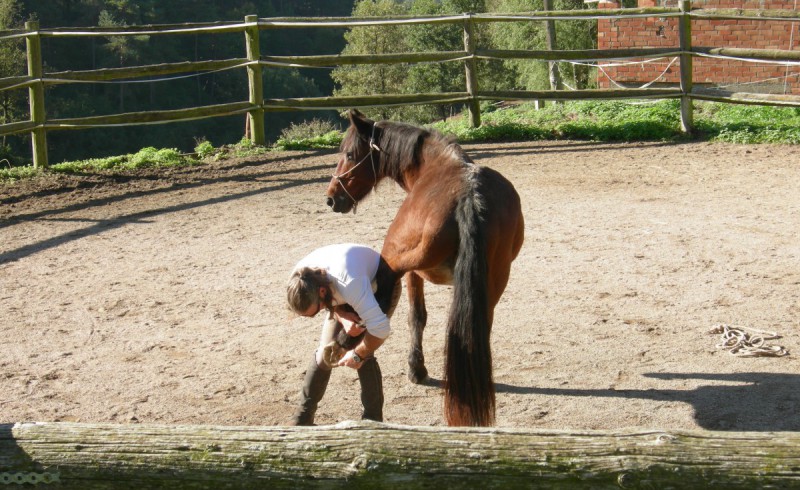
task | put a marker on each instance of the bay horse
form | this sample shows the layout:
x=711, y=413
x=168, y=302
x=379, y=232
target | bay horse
x=460, y=224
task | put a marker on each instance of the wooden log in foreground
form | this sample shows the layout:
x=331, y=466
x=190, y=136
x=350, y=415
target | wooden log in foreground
x=372, y=455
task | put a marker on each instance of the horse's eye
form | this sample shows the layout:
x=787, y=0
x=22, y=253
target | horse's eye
x=349, y=155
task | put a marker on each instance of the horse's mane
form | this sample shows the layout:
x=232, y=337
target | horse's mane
x=402, y=146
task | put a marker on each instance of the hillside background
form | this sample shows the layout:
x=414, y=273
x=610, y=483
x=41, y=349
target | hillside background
x=79, y=100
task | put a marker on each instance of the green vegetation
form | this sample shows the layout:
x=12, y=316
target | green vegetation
x=145, y=158
x=9, y=175
x=585, y=120
x=331, y=139
x=593, y=121
x=420, y=77
x=204, y=149
x=631, y=121
x=749, y=124
x=449, y=76
x=206, y=152
x=314, y=134
x=573, y=34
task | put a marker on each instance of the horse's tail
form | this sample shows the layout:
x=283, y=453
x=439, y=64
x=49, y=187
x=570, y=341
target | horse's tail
x=469, y=398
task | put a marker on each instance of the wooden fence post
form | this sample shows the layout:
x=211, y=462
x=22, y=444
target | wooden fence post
x=685, y=30
x=36, y=95
x=470, y=72
x=255, y=116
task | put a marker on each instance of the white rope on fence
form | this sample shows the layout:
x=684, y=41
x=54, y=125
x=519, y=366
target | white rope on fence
x=747, y=60
x=152, y=80
x=154, y=30
x=646, y=85
x=785, y=80
x=747, y=341
x=286, y=64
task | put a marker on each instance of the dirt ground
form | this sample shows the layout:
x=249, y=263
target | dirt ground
x=158, y=297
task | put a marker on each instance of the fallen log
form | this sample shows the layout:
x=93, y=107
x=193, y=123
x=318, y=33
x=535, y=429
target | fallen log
x=372, y=455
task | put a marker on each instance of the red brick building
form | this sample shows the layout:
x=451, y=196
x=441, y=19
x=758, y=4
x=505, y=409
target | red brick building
x=733, y=75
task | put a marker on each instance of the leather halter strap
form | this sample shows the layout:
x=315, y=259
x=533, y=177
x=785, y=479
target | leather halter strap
x=372, y=146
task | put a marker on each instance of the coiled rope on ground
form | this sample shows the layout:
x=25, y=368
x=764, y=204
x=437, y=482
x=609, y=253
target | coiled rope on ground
x=747, y=342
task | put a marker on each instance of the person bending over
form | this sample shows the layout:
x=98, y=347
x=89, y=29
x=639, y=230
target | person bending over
x=339, y=280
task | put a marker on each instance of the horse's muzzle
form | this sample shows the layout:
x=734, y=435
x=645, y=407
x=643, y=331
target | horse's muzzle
x=342, y=205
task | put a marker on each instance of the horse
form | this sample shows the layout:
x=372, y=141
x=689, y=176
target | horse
x=459, y=224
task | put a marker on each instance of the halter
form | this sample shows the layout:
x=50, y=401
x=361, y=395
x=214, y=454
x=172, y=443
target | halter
x=372, y=146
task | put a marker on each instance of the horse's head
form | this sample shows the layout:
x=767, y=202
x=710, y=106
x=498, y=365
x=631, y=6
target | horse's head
x=357, y=171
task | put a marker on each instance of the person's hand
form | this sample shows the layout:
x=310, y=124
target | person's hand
x=353, y=329
x=349, y=361
x=350, y=321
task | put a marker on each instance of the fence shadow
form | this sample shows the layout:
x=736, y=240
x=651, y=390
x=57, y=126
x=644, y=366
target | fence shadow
x=104, y=225
x=159, y=176
x=15, y=458
x=751, y=402
x=533, y=148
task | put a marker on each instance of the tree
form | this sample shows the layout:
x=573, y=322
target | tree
x=92, y=53
x=422, y=77
x=435, y=77
x=123, y=48
x=572, y=34
x=12, y=63
x=374, y=79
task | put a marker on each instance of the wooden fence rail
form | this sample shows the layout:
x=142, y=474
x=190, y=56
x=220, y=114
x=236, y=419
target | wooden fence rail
x=253, y=62
x=375, y=456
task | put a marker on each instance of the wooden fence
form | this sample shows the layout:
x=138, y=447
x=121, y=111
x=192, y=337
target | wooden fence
x=377, y=456
x=256, y=105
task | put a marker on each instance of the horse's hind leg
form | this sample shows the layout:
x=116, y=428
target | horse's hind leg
x=417, y=319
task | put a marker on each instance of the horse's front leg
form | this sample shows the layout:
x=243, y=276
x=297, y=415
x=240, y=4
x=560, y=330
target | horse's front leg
x=417, y=319
x=387, y=292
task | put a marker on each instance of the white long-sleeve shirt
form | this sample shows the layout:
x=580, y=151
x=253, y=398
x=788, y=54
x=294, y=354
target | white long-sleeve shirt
x=351, y=269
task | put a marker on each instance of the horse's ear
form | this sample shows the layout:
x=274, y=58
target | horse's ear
x=360, y=121
x=355, y=114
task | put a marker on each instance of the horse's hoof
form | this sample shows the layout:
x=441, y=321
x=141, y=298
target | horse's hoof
x=418, y=376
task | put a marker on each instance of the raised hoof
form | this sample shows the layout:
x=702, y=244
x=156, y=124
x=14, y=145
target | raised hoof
x=418, y=376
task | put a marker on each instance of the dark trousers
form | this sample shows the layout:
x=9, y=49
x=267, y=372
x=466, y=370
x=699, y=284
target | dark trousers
x=318, y=375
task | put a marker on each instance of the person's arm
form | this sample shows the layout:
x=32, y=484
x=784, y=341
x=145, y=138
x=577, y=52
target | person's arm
x=365, y=349
x=368, y=345
x=359, y=295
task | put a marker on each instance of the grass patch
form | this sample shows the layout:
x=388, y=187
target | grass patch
x=145, y=158
x=309, y=135
x=590, y=120
x=331, y=139
x=204, y=149
x=243, y=149
x=13, y=174
x=744, y=124
x=631, y=121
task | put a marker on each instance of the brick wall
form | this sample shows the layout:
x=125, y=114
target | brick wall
x=654, y=32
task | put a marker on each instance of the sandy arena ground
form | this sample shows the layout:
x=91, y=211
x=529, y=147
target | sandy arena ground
x=158, y=297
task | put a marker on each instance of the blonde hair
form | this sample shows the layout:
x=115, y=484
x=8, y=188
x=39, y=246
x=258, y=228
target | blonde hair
x=302, y=290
